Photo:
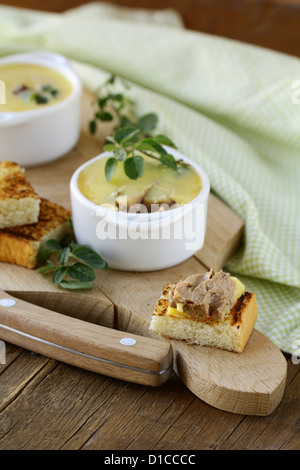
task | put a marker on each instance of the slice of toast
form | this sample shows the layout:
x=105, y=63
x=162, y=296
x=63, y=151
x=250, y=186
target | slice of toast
x=19, y=203
x=20, y=245
x=230, y=333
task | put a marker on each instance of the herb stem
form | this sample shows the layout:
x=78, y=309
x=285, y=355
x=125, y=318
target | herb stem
x=149, y=155
x=132, y=138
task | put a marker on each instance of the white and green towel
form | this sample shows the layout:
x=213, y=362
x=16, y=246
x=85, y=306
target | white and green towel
x=234, y=108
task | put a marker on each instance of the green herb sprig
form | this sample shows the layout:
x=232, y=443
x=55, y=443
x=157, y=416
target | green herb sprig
x=127, y=147
x=132, y=137
x=72, y=265
x=41, y=95
x=110, y=104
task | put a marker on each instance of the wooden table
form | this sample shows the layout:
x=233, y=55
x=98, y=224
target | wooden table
x=50, y=405
x=46, y=404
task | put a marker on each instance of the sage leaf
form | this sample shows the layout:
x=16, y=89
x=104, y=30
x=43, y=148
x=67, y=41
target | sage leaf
x=89, y=257
x=109, y=147
x=59, y=274
x=45, y=269
x=169, y=161
x=82, y=272
x=53, y=245
x=134, y=167
x=93, y=126
x=102, y=102
x=110, y=167
x=118, y=97
x=152, y=145
x=40, y=99
x=147, y=122
x=125, y=122
x=110, y=138
x=124, y=133
x=43, y=254
x=164, y=140
x=67, y=239
x=63, y=255
x=66, y=284
x=48, y=267
x=104, y=116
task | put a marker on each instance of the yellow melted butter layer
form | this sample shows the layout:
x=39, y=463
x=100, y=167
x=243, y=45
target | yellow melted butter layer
x=185, y=184
x=239, y=290
x=33, y=76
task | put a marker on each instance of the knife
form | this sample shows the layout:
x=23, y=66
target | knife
x=103, y=350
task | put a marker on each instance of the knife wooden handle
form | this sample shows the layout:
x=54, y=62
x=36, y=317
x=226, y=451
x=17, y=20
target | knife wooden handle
x=93, y=347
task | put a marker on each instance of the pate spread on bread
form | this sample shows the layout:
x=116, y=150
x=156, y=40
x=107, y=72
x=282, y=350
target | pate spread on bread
x=210, y=309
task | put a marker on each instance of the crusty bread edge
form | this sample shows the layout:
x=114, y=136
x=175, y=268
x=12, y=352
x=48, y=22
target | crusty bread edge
x=24, y=252
x=18, y=251
x=242, y=317
x=248, y=319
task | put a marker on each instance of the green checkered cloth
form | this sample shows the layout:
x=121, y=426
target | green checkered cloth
x=232, y=107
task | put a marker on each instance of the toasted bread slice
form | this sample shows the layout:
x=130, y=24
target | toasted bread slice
x=231, y=333
x=20, y=245
x=19, y=203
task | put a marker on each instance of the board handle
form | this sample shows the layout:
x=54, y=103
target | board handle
x=93, y=347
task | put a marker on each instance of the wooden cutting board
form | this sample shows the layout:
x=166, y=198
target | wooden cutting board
x=248, y=383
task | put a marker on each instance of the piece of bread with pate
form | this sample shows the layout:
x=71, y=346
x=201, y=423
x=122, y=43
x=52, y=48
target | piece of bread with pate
x=20, y=245
x=19, y=203
x=210, y=309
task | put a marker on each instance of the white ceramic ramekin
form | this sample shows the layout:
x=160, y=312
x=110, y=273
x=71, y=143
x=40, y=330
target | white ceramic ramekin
x=35, y=137
x=141, y=242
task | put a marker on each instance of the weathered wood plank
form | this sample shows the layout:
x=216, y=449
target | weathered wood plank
x=57, y=401
x=81, y=410
x=19, y=373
